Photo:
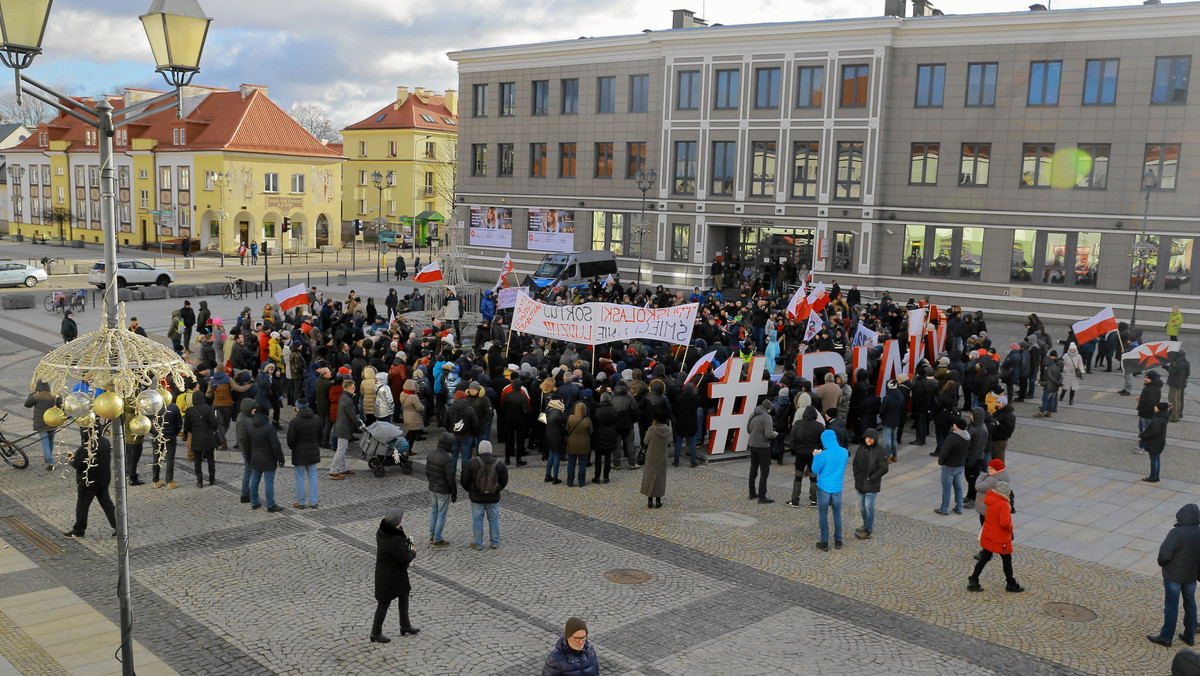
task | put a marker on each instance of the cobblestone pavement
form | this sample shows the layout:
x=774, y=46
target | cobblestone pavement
x=734, y=587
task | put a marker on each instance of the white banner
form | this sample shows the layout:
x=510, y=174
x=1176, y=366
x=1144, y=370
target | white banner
x=552, y=230
x=508, y=297
x=491, y=226
x=596, y=323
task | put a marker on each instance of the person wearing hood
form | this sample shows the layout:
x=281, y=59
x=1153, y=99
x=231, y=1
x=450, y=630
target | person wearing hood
x=870, y=464
x=1052, y=379
x=1179, y=558
x=200, y=432
x=976, y=453
x=952, y=457
x=265, y=453
x=487, y=306
x=554, y=437
x=202, y=318
x=414, y=413
x=997, y=538
x=394, y=551
x=573, y=654
x=762, y=432
x=384, y=405
x=605, y=438
x=892, y=411
x=240, y=432
x=772, y=350
x=174, y=331
x=829, y=464
x=804, y=438
x=1154, y=439
x=1147, y=403
x=443, y=485
x=1178, y=371
x=628, y=413
x=579, y=444
x=42, y=400
x=303, y=438
x=654, y=471
x=1072, y=371
x=996, y=472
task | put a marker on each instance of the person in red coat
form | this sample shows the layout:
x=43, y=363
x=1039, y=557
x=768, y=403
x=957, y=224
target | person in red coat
x=996, y=538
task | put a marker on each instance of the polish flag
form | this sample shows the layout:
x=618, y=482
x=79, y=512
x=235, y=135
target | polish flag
x=1104, y=322
x=720, y=372
x=703, y=364
x=505, y=268
x=798, y=304
x=292, y=297
x=429, y=273
x=818, y=299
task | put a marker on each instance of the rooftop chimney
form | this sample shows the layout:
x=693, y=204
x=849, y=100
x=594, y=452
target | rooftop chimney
x=248, y=89
x=893, y=8
x=451, y=97
x=401, y=97
x=686, y=18
x=1038, y=8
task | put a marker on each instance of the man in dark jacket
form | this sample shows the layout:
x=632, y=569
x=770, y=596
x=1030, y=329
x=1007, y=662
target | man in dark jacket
x=321, y=404
x=1147, y=402
x=69, y=330
x=343, y=428
x=891, y=417
x=952, y=458
x=924, y=394
x=1154, y=438
x=1179, y=557
x=804, y=438
x=762, y=431
x=514, y=412
x=303, y=438
x=484, y=478
x=92, y=477
x=628, y=413
x=241, y=429
x=870, y=464
x=200, y=431
x=202, y=318
x=1006, y=424
x=1178, y=370
x=462, y=422
x=188, y=315
x=976, y=453
x=442, y=476
x=604, y=437
x=172, y=425
x=262, y=441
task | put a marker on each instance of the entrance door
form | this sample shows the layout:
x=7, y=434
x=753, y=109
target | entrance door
x=244, y=232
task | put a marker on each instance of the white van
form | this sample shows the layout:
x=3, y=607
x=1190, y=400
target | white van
x=575, y=269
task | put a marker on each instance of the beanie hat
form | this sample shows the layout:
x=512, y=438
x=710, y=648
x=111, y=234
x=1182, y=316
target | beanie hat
x=1003, y=488
x=460, y=395
x=485, y=447
x=393, y=517
x=996, y=464
x=575, y=624
x=1015, y=346
x=1002, y=400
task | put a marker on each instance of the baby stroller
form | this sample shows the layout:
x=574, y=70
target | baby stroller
x=384, y=445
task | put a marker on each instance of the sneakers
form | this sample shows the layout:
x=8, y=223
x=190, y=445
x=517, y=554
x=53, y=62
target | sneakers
x=635, y=466
x=812, y=503
x=313, y=506
x=940, y=511
x=862, y=534
x=1150, y=480
x=1039, y=414
x=837, y=544
x=73, y=535
x=336, y=477
x=1138, y=451
x=823, y=546
x=494, y=547
x=957, y=510
x=792, y=503
x=439, y=543
x=969, y=504
x=274, y=508
x=254, y=506
x=765, y=501
x=49, y=468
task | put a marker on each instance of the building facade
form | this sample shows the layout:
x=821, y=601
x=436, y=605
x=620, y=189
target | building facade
x=229, y=171
x=994, y=160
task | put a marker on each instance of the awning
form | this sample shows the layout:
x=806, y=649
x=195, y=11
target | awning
x=430, y=217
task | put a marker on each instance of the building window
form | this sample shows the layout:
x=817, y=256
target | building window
x=1054, y=258
x=210, y=180
x=1171, y=79
x=608, y=232
x=566, y=160
x=1163, y=160
x=391, y=145
x=429, y=186
x=430, y=150
x=362, y=177
x=479, y=96
x=391, y=205
x=1087, y=259
x=766, y=87
x=1044, y=78
x=724, y=163
x=680, y=241
x=762, y=169
x=604, y=160
x=804, y=169
x=164, y=178
x=1022, y=256
x=854, y=85
x=362, y=148
x=540, y=105
x=185, y=178
x=570, y=96
x=179, y=137
x=639, y=93
x=1037, y=164
x=687, y=90
x=270, y=182
x=970, y=253
x=1091, y=166
x=728, y=89
x=144, y=198
x=810, y=86
x=506, y=159
x=636, y=154
x=362, y=206
x=606, y=94
x=848, y=185
x=298, y=184
x=537, y=160
x=1178, y=275
x=478, y=159
x=122, y=137
x=981, y=84
x=1100, y=82
x=843, y=251
x=924, y=164
x=931, y=85
x=914, y=250
x=976, y=161
x=89, y=137
x=508, y=99
x=685, y=168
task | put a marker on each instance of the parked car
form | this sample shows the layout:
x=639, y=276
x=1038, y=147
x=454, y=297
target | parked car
x=20, y=273
x=131, y=272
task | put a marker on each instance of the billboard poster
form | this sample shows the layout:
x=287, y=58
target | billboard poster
x=491, y=226
x=552, y=230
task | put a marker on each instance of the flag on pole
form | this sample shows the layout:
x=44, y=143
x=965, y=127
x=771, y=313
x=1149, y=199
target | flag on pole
x=818, y=299
x=505, y=268
x=798, y=305
x=1103, y=322
x=429, y=273
x=815, y=324
x=720, y=372
x=1149, y=355
x=291, y=297
x=609, y=281
x=916, y=321
x=391, y=316
x=703, y=364
x=864, y=337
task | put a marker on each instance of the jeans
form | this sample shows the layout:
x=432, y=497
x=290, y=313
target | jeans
x=866, y=507
x=580, y=461
x=553, y=460
x=246, y=472
x=1171, y=594
x=439, y=508
x=339, y=457
x=166, y=460
x=1049, y=401
x=889, y=441
x=760, y=466
x=691, y=442
x=269, y=477
x=306, y=474
x=952, y=476
x=492, y=510
x=47, y=438
x=824, y=502
x=1155, y=464
x=461, y=445
x=1143, y=423
x=760, y=338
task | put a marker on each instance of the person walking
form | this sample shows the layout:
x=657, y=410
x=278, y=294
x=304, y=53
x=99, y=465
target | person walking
x=442, y=474
x=93, y=474
x=870, y=464
x=1179, y=558
x=1174, y=323
x=188, y=315
x=1154, y=439
x=254, y=252
x=164, y=462
x=976, y=453
x=484, y=478
x=1178, y=371
x=762, y=431
x=41, y=400
x=69, y=329
x=200, y=432
x=1052, y=379
x=343, y=428
x=393, y=552
x=829, y=464
x=401, y=268
x=996, y=538
x=1147, y=404
x=303, y=439
x=1072, y=372
x=952, y=458
x=554, y=437
x=996, y=472
x=892, y=411
x=573, y=654
x=654, y=469
x=265, y=453
x=579, y=445
x=804, y=439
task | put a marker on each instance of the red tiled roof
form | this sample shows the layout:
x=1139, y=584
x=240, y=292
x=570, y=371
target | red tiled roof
x=338, y=148
x=408, y=115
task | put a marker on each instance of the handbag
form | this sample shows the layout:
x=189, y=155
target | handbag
x=542, y=418
x=1078, y=373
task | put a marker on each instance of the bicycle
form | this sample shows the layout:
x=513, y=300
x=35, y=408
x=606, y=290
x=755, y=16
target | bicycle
x=10, y=452
x=60, y=303
x=233, y=288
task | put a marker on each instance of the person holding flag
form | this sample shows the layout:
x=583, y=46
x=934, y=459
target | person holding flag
x=292, y=297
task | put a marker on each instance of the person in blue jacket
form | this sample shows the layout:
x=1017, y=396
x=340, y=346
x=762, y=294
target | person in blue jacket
x=829, y=464
x=487, y=306
x=573, y=654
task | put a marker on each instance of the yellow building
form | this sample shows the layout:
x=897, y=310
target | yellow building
x=229, y=171
x=412, y=145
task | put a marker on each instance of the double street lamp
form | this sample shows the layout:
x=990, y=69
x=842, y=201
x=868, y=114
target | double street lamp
x=382, y=182
x=126, y=366
x=644, y=181
x=1143, y=251
x=221, y=181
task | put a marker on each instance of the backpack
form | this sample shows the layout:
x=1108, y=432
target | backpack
x=485, y=479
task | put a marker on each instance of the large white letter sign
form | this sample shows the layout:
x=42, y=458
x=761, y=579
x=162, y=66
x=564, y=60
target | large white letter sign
x=889, y=366
x=862, y=359
x=808, y=363
x=736, y=399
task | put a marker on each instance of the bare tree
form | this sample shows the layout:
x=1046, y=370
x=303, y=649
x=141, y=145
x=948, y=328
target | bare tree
x=445, y=176
x=61, y=216
x=316, y=121
x=30, y=112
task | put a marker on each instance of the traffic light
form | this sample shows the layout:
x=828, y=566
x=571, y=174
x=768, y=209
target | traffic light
x=287, y=224
x=358, y=227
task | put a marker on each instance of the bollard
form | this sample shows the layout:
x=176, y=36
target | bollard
x=326, y=278
x=308, y=279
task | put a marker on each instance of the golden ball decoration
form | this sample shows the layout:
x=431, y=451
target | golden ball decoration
x=166, y=397
x=109, y=405
x=87, y=420
x=76, y=404
x=139, y=425
x=149, y=402
x=54, y=416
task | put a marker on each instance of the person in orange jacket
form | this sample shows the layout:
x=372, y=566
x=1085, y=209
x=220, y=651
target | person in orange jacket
x=996, y=538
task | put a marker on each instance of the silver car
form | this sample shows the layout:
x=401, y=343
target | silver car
x=20, y=273
x=131, y=272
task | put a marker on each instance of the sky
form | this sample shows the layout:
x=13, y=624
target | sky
x=348, y=56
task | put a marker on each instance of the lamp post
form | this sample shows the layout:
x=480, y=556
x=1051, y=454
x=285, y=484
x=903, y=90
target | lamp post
x=644, y=181
x=382, y=182
x=221, y=181
x=1142, y=251
x=176, y=30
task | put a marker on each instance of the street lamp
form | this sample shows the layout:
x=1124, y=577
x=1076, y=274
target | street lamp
x=644, y=181
x=117, y=361
x=380, y=183
x=221, y=181
x=1143, y=250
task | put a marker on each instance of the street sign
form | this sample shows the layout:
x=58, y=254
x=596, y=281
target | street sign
x=383, y=248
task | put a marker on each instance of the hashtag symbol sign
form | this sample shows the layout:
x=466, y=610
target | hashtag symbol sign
x=735, y=404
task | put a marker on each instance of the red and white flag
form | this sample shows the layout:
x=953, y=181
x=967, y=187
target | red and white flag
x=429, y=273
x=292, y=297
x=505, y=268
x=798, y=305
x=1104, y=322
x=703, y=364
x=720, y=372
x=815, y=324
x=818, y=299
x=916, y=321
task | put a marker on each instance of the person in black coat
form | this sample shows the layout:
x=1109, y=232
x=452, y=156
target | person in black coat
x=69, y=330
x=605, y=437
x=870, y=463
x=1154, y=438
x=573, y=654
x=442, y=476
x=394, y=551
x=804, y=438
x=304, y=440
x=200, y=431
x=262, y=441
x=1179, y=557
x=92, y=478
x=684, y=421
x=924, y=395
x=1147, y=402
x=952, y=458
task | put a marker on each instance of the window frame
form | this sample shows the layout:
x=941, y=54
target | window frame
x=537, y=160
x=635, y=158
x=563, y=157
x=1158, y=172
x=850, y=85
x=1100, y=82
x=1047, y=67
x=298, y=184
x=681, y=242
x=569, y=96
x=506, y=156
x=479, y=159
x=271, y=182
x=769, y=151
x=692, y=89
x=933, y=70
x=508, y=99
x=812, y=151
x=723, y=159
x=479, y=101
x=1170, y=77
x=686, y=161
x=814, y=88
x=926, y=148
x=606, y=104
x=774, y=83
x=982, y=85
x=1042, y=150
x=605, y=156
x=639, y=93
x=849, y=183
x=539, y=98
x=727, y=85
x=1107, y=147
x=974, y=183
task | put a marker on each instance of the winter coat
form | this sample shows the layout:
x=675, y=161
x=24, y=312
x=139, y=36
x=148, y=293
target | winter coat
x=1154, y=437
x=367, y=387
x=392, y=556
x=892, y=409
x=761, y=428
x=979, y=436
x=382, y=393
x=473, y=467
x=829, y=463
x=924, y=394
x=1150, y=396
x=654, y=470
x=626, y=407
x=1072, y=363
x=987, y=482
x=1179, y=554
x=440, y=472
x=870, y=464
x=604, y=428
x=411, y=406
x=1052, y=378
x=265, y=452
x=579, y=431
x=955, y=449
x=997, y=533
x=94, y=473
x=40, y=401
x=1006, y=423
x=1177, y=373
x=321, y=389
x=220, y=389
x=200, y=426
x=554, y=438
x=565, y=661
x=805, y=435
x=347, y=417
x=304, y=437
x=460, y=420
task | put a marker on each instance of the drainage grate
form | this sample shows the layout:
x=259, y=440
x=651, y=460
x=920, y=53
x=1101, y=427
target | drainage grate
x=37, y=539
x=1068, y=611
x=627, y=576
